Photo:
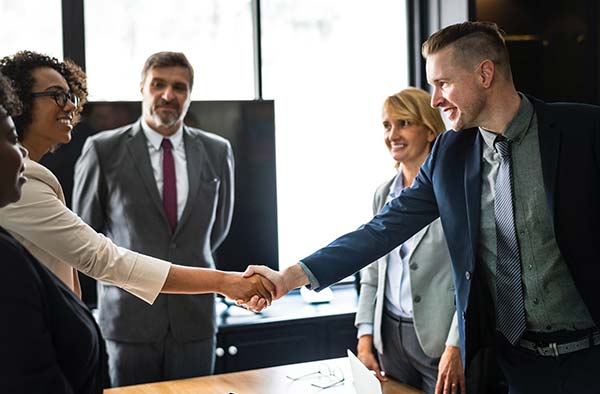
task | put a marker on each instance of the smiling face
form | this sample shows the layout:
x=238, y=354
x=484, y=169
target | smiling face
x=408, y=143
x=166, y=98
x=457, y=90
x=51, y=125
x=11, y=161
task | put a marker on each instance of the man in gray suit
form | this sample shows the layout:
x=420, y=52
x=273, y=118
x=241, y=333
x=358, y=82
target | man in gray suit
x=163, y=189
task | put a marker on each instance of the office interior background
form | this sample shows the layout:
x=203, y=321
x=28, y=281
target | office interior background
x=298, y=87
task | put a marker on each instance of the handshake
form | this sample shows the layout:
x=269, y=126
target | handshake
x=259, y=285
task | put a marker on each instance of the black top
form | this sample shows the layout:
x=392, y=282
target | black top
x=49, y=341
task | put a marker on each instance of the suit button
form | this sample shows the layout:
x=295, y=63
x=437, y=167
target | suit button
x=468, y=275
x=414, y=266
x=464, y=315
x=417, y=299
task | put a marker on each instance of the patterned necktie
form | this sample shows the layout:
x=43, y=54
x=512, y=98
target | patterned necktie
x=510, y=313
x=169, y=183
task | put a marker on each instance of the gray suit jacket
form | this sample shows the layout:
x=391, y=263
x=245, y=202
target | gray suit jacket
x=431, y=284
x=116, y=193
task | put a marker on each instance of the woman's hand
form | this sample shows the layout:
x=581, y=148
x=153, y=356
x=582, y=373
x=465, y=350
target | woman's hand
x=365, y=354
x=451, y=377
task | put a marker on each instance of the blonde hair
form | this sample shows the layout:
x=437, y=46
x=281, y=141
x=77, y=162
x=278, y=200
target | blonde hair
x=413, y=104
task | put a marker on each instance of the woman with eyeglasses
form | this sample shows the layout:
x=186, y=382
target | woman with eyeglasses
x=53, y=94
x=406, y=304
x=49, y=341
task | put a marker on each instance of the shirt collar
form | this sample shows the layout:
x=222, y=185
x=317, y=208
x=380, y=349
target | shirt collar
x=517, y=128
x=397, y=184
x=156, y=138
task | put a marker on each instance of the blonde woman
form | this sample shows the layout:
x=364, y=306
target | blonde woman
x=406, y=304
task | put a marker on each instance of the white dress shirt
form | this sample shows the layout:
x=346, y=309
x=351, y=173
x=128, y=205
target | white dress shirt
x=156, y=158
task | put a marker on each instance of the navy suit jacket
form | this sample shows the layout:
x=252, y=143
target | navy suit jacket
x=449, y=186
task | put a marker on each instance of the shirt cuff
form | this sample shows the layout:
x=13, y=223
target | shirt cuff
x=454, y=341
x=364, y=329
x=314, y=283
x=147, y=278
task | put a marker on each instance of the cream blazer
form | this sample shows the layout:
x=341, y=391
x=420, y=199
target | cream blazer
x=59, y=239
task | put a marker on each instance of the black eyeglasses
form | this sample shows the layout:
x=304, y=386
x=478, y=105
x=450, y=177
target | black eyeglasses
x=60, y=96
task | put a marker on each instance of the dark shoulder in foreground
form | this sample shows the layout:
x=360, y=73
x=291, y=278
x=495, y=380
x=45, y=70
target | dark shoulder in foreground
x=16, y=262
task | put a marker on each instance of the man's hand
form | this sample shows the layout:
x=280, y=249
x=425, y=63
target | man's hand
x=275, y=277
x=244, y=288
x=451, y=377
x=364, y=351
x=292, y=277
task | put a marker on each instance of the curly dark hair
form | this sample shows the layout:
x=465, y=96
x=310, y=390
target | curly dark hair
x=19, y=67
x=8, y=98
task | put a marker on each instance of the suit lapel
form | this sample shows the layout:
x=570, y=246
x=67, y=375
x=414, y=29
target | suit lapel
x=549, y=138
x=383, y=263
x=473, y=189
x=138, y=150
x=382, y=197
x=418, y=236
x=197, y=164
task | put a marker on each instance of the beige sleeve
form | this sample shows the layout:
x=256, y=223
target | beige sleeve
x=42, y=220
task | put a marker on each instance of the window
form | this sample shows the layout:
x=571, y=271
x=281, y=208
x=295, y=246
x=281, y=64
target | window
x=216, y=36
x=33, y=25
x=329, y=65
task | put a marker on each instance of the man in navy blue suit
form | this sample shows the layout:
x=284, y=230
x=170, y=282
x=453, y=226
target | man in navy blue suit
x=516, y=184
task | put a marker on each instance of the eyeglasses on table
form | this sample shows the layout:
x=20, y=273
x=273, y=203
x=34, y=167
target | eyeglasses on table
x=327, y=377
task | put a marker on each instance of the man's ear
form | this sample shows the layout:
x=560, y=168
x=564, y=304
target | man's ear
x=142, y=87
x=486, y=70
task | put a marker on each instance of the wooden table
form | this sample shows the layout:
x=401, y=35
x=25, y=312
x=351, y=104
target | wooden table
x=260, y=381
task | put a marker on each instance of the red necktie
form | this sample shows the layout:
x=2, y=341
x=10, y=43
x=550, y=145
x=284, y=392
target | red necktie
x=169, y=183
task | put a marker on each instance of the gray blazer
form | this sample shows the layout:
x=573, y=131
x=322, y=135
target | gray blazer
x=431, y=284
x=116, y=193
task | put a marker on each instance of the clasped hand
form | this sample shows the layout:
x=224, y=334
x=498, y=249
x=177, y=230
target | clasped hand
x=245, y=288
x=266, y=285
x=271, y=280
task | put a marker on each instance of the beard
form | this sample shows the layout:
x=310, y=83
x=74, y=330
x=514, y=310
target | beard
x=165, y=119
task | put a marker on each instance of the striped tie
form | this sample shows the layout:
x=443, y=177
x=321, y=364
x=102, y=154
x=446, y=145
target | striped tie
x=510, y=313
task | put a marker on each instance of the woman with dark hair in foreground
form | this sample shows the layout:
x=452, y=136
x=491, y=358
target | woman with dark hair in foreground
x=49, y=340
